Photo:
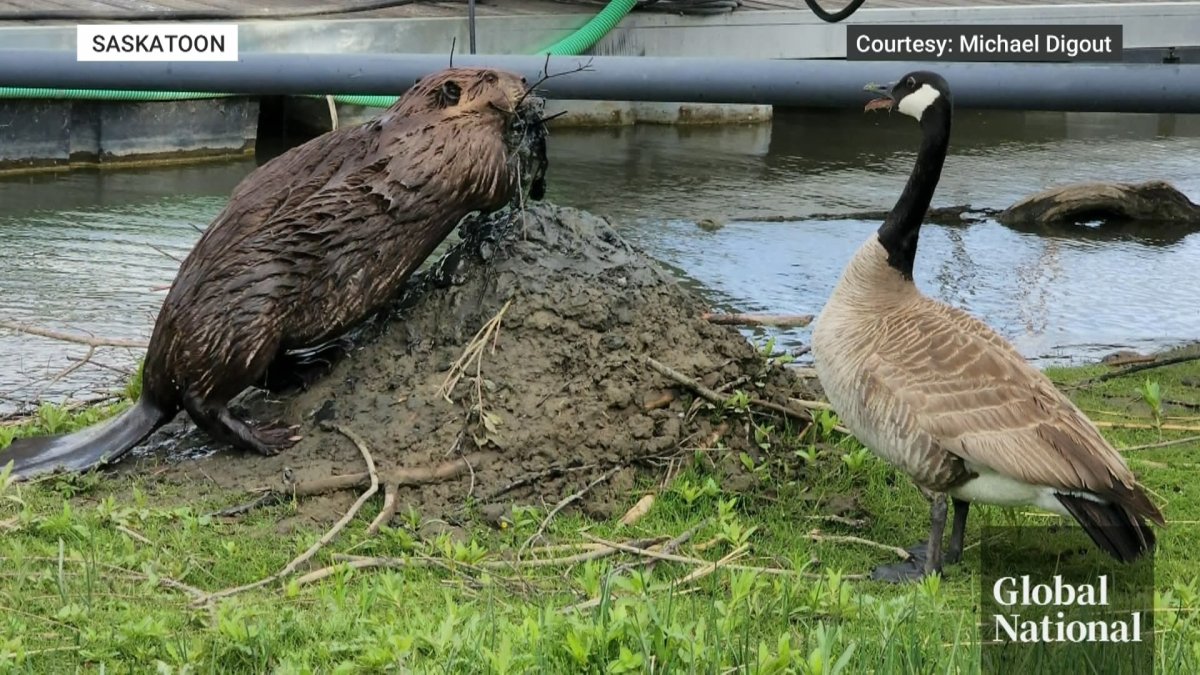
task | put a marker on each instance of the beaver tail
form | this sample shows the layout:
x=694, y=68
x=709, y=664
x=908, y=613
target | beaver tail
x=87, y=448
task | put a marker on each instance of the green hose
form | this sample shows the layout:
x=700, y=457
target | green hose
x=366, y=100
x=582, y=40
x=104, y=94
x=576, y=43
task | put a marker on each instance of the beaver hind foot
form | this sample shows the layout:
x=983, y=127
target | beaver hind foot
x=219, y=423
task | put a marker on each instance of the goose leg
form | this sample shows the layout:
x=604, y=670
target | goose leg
x=937, y=527
x=954, y=552
x=924, y=558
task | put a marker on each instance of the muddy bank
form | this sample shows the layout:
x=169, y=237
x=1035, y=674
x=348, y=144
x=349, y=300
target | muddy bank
x=558, y=396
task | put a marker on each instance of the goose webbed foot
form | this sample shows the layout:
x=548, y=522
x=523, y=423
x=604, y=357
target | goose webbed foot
x=912, y=569
x=924, y=558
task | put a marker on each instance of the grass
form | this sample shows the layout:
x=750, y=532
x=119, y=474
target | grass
x=100, y=573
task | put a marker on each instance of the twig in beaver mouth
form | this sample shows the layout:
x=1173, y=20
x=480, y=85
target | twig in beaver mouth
x=586, y=67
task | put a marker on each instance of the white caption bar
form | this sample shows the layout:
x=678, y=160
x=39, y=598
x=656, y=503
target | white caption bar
x=157, y=42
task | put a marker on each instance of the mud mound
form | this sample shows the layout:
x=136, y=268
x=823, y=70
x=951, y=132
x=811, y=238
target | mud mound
x=562, y=396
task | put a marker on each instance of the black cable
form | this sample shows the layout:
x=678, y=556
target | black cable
x=690, y=7
x=836, y=17
x=197, y=15
x=700, y=7
x=723, y=6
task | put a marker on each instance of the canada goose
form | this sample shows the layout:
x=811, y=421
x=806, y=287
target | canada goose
x=946, y=399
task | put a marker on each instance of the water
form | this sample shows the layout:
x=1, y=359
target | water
x=88, y=251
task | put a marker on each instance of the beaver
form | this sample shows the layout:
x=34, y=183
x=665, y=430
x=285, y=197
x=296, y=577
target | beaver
x=311, y=244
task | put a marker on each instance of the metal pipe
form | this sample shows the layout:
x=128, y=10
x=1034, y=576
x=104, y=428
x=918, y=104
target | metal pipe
x=471, y=23
x=1163, y=88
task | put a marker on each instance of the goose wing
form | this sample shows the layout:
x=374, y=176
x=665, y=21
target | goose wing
x=980, y=400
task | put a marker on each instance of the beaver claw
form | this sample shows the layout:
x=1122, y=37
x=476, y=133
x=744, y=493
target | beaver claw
x=273, y=439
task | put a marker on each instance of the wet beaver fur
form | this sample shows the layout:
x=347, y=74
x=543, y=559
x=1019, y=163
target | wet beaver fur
x=310, y=244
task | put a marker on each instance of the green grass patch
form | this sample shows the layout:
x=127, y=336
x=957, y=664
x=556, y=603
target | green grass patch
x=103, y=573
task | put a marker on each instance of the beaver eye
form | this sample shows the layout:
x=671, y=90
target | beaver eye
x=491, y=77
x=450, y=93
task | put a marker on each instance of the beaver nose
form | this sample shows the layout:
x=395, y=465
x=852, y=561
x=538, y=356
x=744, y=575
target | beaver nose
x=524, y=81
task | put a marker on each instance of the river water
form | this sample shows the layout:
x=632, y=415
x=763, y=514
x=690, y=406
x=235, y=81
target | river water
x=86, y=251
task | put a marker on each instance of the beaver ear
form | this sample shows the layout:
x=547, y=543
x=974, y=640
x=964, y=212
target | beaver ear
x=449, y=94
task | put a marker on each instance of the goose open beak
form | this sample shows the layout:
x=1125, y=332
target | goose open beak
x=883, y=100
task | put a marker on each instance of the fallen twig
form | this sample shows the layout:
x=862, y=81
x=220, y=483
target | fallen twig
x=1146, y=366
x=1146, y=462
x=711, y=567
x=532, y=478
x=134, y=535
x=1183, y=404
x=572, y=546
x=841, y=520
x=326, y=538
x=267, y=498
x=810, y=405
x=686, y=560
x=1143, y=425
x=357, y=564
x=79, y=363
x=716, y=399
x=1131, y=415
x=333, y=113
x=703, y=570
x=389, y=508
x=704, y=392
x=398, y=478
x=595, y=551
x=562, y=504
x=598, y=551
x=816, y=535
x=779, y=320
x=473, y=352
x=168, y=255
x=71, y=337
x=158, y=578
x=1163, y=444
x=671, y=546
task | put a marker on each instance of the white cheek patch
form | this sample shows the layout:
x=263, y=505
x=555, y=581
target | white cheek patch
x=914, y=104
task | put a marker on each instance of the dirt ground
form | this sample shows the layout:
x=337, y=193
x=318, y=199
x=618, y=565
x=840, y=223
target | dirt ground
x=562, y=396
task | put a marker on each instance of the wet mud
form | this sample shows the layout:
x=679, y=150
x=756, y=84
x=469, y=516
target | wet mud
x=556, y=395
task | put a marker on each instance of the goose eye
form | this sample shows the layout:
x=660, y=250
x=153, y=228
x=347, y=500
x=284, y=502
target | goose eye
x=912, y=82
x=450, y=93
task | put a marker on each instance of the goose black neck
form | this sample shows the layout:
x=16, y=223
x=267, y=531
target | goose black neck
x=901, y=228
